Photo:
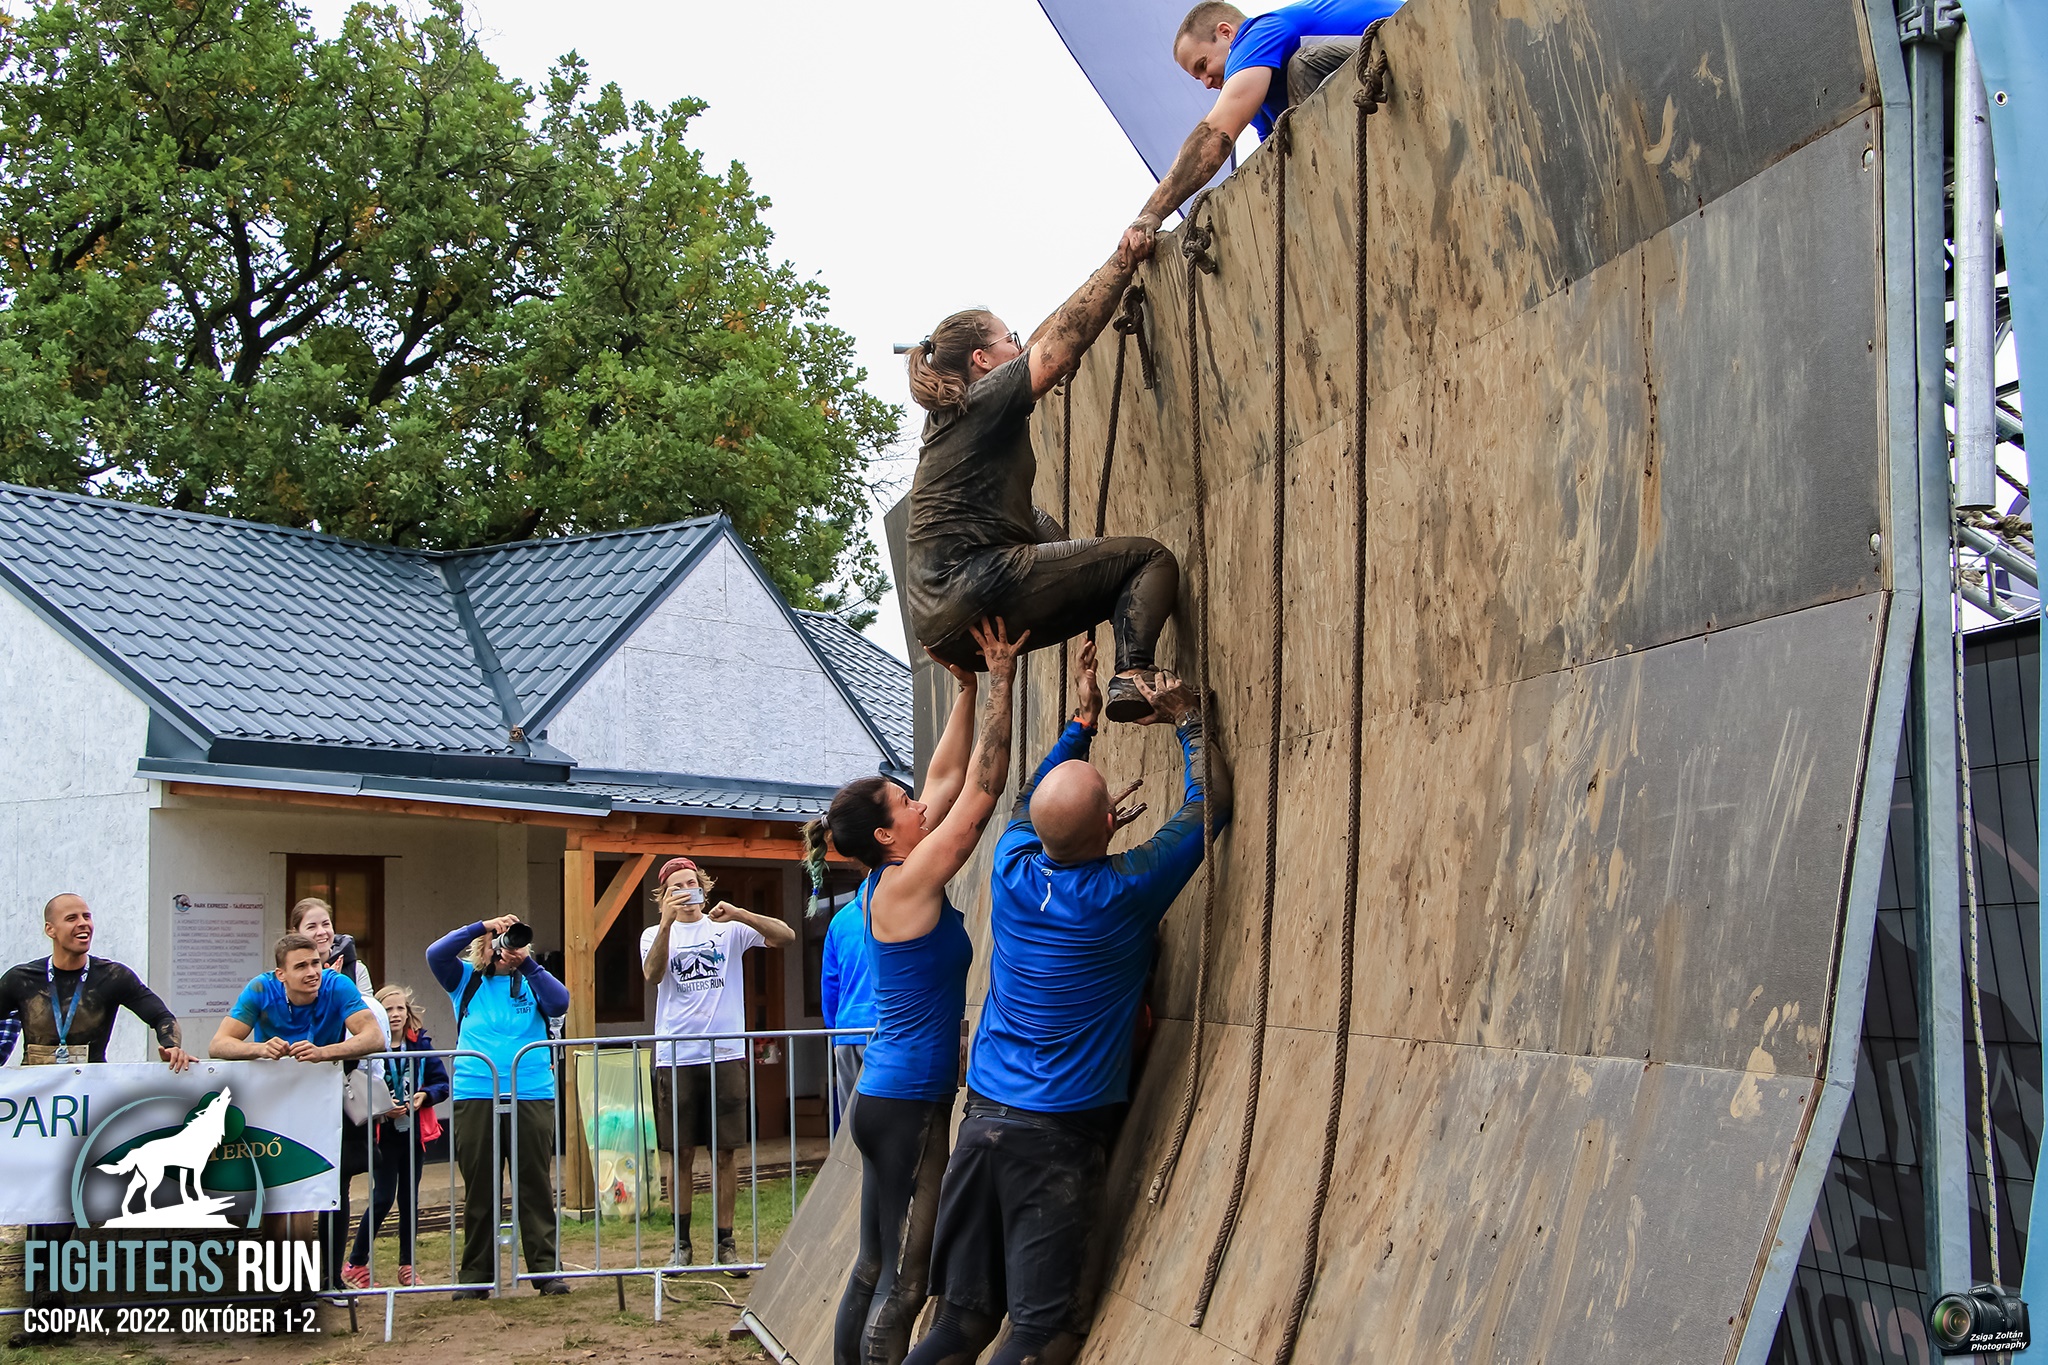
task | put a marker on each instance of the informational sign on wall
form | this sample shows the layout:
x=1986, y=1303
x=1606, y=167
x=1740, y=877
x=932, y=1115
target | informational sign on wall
x=216, y=946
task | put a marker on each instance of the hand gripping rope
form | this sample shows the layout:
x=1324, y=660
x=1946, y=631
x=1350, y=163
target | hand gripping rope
x=1371, y=94
x=1282, y=144
x=1195, y=241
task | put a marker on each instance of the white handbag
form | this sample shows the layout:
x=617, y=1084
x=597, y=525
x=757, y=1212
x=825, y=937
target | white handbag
x=364, y=1093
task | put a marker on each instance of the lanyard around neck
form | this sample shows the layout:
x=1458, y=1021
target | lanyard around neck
x=63, y=1014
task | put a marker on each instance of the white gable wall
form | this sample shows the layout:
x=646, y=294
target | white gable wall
x=73, y=814
x=716, y=681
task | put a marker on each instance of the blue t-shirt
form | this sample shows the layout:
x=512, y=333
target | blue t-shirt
x=1271, y=39
x=920, y=999
x=500, y=1022
x=1071, y=946
x=846, y=982
x=266, y=1008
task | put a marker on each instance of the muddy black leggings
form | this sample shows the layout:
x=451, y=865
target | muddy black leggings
x=903, y=1157
x=1075, y=585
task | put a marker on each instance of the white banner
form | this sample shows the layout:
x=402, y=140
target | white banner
x=216, y=946
x=115, y=1145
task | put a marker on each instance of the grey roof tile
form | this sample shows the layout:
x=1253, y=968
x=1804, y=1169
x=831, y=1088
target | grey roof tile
x=264, y=632
x=878, y=681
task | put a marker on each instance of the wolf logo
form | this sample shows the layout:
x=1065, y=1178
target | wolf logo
x=186, y=1151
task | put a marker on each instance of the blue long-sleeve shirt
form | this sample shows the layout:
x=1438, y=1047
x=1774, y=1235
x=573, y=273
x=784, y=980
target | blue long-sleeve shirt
x=1072, y=946
x=846, y=982
x=1272, y=38
x=499, y=1021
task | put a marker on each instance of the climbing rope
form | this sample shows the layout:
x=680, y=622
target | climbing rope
x=1970, y=882
x=1066, y=513
x=1195, y=242
x=1129, y=323
x=1281, y=143
x=1371, y=94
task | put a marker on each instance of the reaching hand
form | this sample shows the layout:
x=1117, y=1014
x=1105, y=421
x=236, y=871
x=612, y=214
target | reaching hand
x=1087, y=686
x=178, y=1058
x=1171, y=700
x=998, y=650
x=964, y=676
x=1139, y=240
x=1121, y=814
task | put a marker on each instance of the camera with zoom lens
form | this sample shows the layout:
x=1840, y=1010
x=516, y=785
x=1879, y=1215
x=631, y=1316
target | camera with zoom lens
x=518, y=936
x=1985, y=1319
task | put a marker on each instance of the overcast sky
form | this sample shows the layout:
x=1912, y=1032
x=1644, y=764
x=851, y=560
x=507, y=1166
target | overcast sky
x=921, y=155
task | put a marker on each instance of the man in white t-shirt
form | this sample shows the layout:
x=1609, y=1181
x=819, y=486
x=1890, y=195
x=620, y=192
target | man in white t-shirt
x=698, y=1102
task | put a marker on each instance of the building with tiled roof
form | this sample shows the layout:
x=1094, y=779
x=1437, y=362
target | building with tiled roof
x=227, y=711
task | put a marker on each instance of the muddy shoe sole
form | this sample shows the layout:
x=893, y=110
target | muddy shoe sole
x=1126, y=704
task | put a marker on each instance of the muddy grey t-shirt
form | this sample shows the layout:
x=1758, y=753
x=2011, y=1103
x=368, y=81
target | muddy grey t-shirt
x=971, y=525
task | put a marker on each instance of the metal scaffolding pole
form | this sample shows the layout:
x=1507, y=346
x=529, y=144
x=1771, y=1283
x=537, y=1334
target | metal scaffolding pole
x=1976, y=398
x=1944, y=1114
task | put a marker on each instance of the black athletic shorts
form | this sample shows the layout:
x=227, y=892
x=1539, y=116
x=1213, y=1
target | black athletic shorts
x=1020, y=1202
x=682, y=1103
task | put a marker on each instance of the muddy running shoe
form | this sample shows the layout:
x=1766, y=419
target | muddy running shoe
x=1126, y=704
x=461, y=1294
x=728, y=1252
x=553, y=1286
x=356, y=1276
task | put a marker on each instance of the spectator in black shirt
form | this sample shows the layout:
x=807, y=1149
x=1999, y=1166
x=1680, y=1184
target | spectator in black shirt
x=63, y=1006
x=66, y=1002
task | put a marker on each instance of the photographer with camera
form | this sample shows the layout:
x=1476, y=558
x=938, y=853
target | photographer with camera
x=503, y=998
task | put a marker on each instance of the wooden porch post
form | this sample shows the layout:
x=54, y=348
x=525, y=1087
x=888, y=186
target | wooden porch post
x=579, y=962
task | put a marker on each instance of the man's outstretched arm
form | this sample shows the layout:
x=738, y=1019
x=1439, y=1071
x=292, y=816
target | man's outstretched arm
x=1202, y=155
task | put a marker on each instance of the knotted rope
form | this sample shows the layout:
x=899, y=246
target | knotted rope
x=1281, y=141
x=1195, y=243
x=1371, y=94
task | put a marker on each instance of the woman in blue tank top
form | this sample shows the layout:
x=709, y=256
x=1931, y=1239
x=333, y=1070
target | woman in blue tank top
x=918, y=945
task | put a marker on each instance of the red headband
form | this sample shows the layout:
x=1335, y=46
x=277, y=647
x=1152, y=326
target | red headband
x=673, y=866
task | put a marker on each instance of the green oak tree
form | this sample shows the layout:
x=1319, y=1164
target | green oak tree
x=370, y=286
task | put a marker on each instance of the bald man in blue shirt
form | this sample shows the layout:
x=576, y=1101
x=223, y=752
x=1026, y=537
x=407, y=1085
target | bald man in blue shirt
x=1259, y=67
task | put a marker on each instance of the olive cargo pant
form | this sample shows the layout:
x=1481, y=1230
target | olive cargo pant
x=473, y=1157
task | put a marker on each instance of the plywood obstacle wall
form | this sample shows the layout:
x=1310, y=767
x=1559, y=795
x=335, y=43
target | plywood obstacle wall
x=1625, y=439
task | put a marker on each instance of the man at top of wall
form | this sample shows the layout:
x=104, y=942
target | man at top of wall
x=1259, y=68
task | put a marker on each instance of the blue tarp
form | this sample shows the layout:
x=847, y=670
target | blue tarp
x=1125, y=48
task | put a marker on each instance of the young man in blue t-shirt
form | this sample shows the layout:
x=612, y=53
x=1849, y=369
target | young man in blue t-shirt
x=300, y=1011
x=1072, y=931
x=1259, y=67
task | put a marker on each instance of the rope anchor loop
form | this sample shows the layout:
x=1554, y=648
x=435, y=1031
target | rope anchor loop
x=1372, y=69
x=1196, y=241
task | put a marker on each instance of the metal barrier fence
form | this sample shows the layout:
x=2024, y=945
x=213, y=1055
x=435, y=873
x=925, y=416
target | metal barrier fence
x=685, y=1054
x=405, y=1189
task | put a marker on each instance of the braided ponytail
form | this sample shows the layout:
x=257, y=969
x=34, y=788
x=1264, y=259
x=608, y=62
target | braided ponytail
x=814, y=861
